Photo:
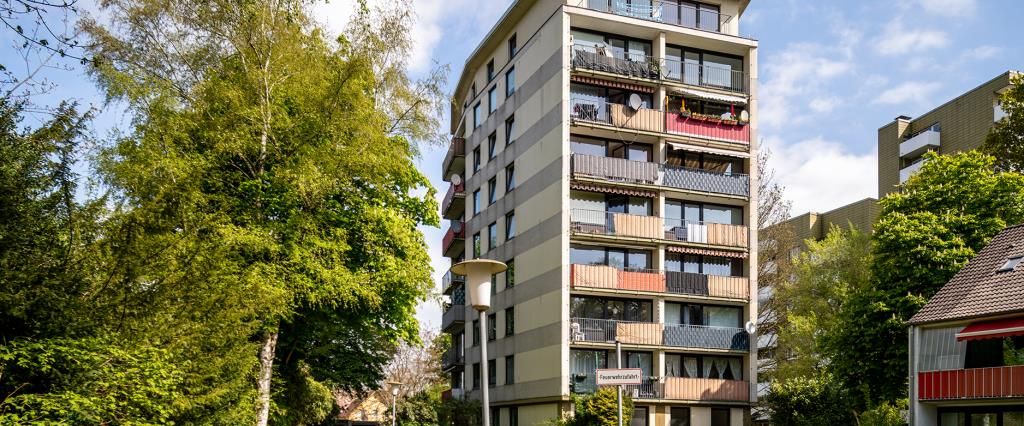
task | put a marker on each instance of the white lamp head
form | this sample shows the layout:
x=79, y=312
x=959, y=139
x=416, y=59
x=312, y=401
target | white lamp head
x=394, y=390
x=478, y=279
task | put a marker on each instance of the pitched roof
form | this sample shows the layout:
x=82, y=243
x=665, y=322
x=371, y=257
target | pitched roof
x=979, y=290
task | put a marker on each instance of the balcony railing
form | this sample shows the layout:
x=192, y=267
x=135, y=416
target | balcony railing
x=453, y=357
x=714, y=76
x=449, y=280
x=453, y=316
x=455, y=159
x=706, y=181
x=674, y=388
x=615, y=60
x=598, y=222
x=686, y=283
x=595, y=110
x=666, y=11
x=644, y=172
x=456, y=193
x=658, y=334
x=454, y=238
x=971, y=383
x=690, y=125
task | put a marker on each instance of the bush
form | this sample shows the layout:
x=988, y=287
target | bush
x=886, y=414
x=813, y=401
x=598, y=409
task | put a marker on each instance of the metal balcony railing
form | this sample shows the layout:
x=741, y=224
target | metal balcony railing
x=456, y=234
x=598, y=110
x=706, y=181
x=971, y=383
x=672, y=388
x=596, y=277
x=453, y=315
x=615, y=60
x=665, y=11
x=658, y=334
x=456, y=193
x=598, y=222
x=644, y=172
x=614, y=169
x=714, y=76
x=449, y=280
x=452, y=357
x=455, y=158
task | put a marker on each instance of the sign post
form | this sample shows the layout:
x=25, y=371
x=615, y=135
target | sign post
x=618, y=364
x=619, y=376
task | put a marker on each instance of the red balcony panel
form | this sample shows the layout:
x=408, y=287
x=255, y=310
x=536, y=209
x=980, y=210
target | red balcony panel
x=681, y=124
x=452, y=235
x=973, y=383
x=454, y=192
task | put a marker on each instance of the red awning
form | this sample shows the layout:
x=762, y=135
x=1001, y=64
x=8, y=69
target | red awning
x=992, y=329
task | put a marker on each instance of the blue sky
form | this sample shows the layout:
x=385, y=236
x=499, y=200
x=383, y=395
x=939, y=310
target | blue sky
x=831, y=73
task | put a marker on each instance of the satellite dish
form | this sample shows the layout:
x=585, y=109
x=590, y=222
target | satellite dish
x=456, y=179
x=456, y=227
x=751, y=327
x=635, y=102
x=744, y=115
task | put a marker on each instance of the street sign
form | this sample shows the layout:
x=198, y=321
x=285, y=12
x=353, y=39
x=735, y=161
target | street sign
x=619, y=376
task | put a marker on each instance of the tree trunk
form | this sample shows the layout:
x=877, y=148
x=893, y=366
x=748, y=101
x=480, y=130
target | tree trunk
x=266, y=372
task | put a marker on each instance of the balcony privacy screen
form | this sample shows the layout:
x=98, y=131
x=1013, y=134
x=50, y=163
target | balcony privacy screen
x=940, y=350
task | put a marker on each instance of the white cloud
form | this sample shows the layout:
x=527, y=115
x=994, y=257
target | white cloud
x=824, y=104
x=981, y=52
x=800, y=70
x=916, y=92
x=897, y=39
x=949, y=8
x=820, y=175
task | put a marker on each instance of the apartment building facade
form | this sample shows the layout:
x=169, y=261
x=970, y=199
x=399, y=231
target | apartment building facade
x=958, y=125
x=602, y=149
x=967, y=342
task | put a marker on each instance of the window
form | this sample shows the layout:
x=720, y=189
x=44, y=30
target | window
x=609, y=148
x=680, y=416
x=639, y=417
x=1011, y=263
x=490, y=70
x=476, y=159
x=513, y=47
x=492, y=190
x=700, y=68
x=476, y=202
x=510, y=177
x=476, y=332
x=510, y=274
x=680, y=213
x=614, y=257
x=492, y=100
x=611, y=309
x=477, y=119
x=492, y=236
x=510, y=125
x=704, y=264
x=720, y=417
x=494, y=286
x=492, y=373
x=492, y=143
x=476, y=245
x=495, y=416
x=476, y=375
x=510, y=82
x=492, y=328
x=513, y=414
x=510, y=321
x=510, y=369
x=707, y=367
x=697, y=314
x=707, y=162
x=510, y=226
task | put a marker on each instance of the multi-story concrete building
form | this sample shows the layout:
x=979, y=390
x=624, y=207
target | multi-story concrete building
x=958, y=125
x=967, y=342
x=602, y=148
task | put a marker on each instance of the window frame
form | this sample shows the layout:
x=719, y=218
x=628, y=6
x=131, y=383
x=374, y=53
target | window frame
x=513, y=47
x=492, y=145
x=510, y=124
x=510, y=81
x=492, y=236
x=510, y=321
x=477, y=161
x=510, y=273
x=510, y=225
x=510, y=369
x=492, y=100
x=477, y=250
x=510, y=177
x=492, y=190
x=477, y=118
x=476, y=376
x=490, y=70
x=476, y=202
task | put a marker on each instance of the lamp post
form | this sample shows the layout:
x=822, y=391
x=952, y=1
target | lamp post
x=394, y=402
x=478, y=283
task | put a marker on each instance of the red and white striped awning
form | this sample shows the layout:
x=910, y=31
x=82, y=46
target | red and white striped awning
x=707, y=252
x=613, y=84
x=580, y=186
x=995, y=329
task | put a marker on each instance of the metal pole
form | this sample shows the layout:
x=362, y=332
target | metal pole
x=618, y=364
x=394, y=412
x=484, y=377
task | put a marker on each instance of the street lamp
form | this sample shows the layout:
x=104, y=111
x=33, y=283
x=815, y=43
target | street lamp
x=394, y=401
x=478, y=274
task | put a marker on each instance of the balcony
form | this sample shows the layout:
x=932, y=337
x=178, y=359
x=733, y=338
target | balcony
x=455, y=160
x=601, y=277
x=908, y=171
x=452, y=359
x=707, y=128
x=658, y=334
x=620, y=170
x=619, y=62
x=614, y=60
x=454, y=241
x=449, y=282
x=666, y=11
x=454, y=204
x=453, y=317
x=675, y=388
x=655, y=228
x=921, y=142
x=972, y=383
x=710, y=76
x=707, y=181
x=598, y=111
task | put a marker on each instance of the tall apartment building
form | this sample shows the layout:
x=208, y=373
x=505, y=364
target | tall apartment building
x=602, y=148
x=958, y=125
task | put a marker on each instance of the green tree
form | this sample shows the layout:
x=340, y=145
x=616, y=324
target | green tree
x=926, y=232
x=600, y=408
x=1005, y=140
x=824, y=276
x=809, y=401
x=268, y=198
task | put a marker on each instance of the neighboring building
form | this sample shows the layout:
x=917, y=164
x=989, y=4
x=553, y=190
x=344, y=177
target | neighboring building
x=967, y=343
x=603, y=150
x=958, y=125
x=360, y=411
x=815, y=226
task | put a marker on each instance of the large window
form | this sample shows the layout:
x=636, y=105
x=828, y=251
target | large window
x=615, y=257
x=492, y=373
x=611, y=309
x=700, y=68
x=706, y=315
x=618, y=46
x=678, y=213
x=510, y=273
x=476, y=332
x=703, y=161
x=703, y=264
x=490, y=70
x=691, y=14
x=476, y=202
x=706, y=367
x=492, y=144
x=642, y=360
x=476, y=245
x=492, y=324
x=720, y=417
x=680, y=416
x=640, y=416
x=609, y=148
x=598, y=202
x=513, y=46
x=592, y=102
x=476, y=159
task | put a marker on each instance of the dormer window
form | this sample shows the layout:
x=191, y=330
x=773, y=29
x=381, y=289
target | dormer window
x=1010, y=264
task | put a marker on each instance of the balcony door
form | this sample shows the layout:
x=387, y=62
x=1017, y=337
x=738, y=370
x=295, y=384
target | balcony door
x=703, y=315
